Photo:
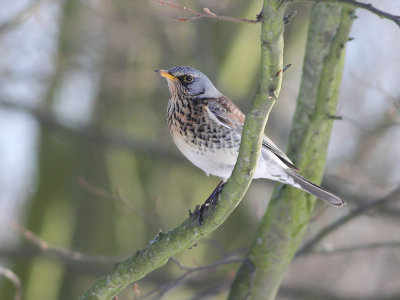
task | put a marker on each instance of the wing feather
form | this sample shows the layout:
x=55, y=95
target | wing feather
x=225, y=112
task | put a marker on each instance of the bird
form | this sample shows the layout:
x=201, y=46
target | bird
x=206, y=126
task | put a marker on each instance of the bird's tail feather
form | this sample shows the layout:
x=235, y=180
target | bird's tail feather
x=315, y=190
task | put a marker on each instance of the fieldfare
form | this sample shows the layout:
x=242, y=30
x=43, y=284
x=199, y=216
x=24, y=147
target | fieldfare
x=206, y=127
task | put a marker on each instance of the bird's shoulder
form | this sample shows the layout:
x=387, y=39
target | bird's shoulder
x=226, y=112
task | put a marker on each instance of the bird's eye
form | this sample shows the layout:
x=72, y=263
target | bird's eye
x=188, y=78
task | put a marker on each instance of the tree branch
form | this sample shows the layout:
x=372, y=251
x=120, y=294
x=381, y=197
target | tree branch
x=60, y=252
x=283, y=226
x=207, y=13
x=124, y=204
x=394, y=195
x=168, y=244
x=10, y=275
x=355, y=4
x=366, y=247
x=163, y=289
x=90, y=133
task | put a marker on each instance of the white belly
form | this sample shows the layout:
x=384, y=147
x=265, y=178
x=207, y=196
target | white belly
x=220, y=162
x=217, y=162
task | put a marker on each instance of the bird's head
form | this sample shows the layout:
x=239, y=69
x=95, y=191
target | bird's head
x=188, y=82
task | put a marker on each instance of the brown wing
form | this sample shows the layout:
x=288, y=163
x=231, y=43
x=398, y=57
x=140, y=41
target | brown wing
x=228, y=114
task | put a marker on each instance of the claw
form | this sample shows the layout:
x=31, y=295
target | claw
x=210, y=202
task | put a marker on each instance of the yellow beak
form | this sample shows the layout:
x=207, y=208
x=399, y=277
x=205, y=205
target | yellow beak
x=165, y=74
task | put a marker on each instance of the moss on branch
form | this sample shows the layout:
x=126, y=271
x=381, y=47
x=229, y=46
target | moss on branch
x=285, y=222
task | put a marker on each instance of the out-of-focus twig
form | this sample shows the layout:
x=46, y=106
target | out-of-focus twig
x=127, y=206
x=88, y=133
x=207, y=13
x=213, y=291
x=29, y=252
x=394, y=195
x=366, y=247
x=356, y=4
x=62, y=253
x=163, y=289
x=20, y=17
x=10, y=275
x=393, y=101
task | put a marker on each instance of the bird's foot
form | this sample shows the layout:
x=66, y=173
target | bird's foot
x=210, y=202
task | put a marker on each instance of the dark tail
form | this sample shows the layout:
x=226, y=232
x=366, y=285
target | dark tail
x=315, y=190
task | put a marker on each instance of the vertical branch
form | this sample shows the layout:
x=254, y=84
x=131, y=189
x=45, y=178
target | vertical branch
x=285, y=222
x=272, y=28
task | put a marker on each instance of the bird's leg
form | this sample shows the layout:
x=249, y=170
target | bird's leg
x=212, y=199
x=210, y=202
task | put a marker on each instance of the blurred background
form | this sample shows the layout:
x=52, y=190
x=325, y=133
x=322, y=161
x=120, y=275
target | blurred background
x=87, y=163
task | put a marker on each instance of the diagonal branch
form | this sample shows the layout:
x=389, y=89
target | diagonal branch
x=366, y=247
x=393, y=196
x=62, y=253
x=20, y=17
x=356, y=4
x=163, y=289
x=94, y=134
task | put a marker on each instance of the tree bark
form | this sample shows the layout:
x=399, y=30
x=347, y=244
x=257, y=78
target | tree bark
x=285, y=222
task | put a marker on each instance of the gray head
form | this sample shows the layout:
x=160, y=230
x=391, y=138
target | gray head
x=191, y=82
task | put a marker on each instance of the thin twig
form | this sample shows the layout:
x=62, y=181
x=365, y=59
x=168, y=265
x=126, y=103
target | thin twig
x=94, y=134
x=20, y=17
x=207, y=13
x=163, y=289
x=10, y=275
x=394, y=195
x=62, y=253
x=127, y=206
x=393, y=101
x=289, y=17
x=355, y=4
x=213, y=291
x=366, y=247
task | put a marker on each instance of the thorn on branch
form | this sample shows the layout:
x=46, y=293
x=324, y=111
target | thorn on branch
x=289, y=17
x=259, y=16
x=283, y=70
x=272, y=94
x=334, y=117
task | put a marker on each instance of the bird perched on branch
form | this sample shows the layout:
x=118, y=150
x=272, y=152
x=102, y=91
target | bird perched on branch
x=207, y=127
